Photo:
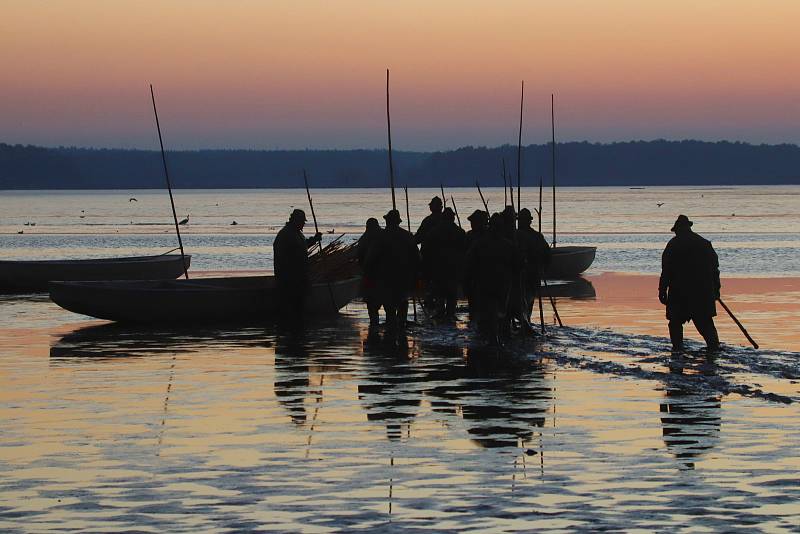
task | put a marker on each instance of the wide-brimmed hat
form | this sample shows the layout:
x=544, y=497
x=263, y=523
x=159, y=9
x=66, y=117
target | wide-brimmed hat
x=525, y=214
x=298, y=214
x=478, y=215
x=393, y=216
x=435, y=200
x=681, y=222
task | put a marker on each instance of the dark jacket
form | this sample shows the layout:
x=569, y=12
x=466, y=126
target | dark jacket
x=534, y=253
x=690, y=275
x=368, y=240
x=489, y=266
x=290, y=251
x=447, y=245
x=394, y=259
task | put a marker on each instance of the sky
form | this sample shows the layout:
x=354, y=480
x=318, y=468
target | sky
x=311, y=74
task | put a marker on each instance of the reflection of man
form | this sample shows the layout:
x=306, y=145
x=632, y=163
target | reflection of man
x=689, y=284
x=291, y=266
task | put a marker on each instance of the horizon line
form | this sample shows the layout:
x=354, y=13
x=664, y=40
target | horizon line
x=385, y=149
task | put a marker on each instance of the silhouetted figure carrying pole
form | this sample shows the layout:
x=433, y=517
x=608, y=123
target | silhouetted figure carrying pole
x=423, y=238
x=689, y=284
x=290, y=251
x=396, y=259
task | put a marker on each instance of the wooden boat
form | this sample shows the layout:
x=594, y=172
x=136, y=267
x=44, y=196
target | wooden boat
x=35, y=275
x=569, y=261
x=197, y=300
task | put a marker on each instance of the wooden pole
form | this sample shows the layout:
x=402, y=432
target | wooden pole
x=444, y=198
x=455, y=209
x=552, y=302
x=169, y=185
x=519, y=148
x=539, y=214
x=485, y=205
x=741, y=327
x=505, y=185
x=408, y=222
x=510, y=186
x=389, y=130
x=553, y=130
x=311, y=205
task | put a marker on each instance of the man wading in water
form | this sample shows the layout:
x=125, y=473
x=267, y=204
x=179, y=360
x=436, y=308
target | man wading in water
x=290, y=250
x=689, y=284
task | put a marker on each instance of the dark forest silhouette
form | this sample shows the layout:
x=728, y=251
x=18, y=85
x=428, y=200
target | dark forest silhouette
x=633, y=163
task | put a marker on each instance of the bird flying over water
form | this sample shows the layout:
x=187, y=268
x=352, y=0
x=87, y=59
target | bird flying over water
x=659, y=204
x=132, y=199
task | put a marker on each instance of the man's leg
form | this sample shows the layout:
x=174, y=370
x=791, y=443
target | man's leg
x=676, y=334
x=705, y=326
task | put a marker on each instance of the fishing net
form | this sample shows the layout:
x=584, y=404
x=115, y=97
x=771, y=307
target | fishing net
x=335, y=261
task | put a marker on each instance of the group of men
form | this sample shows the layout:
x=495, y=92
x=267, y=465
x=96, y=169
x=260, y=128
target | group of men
x=499, y=264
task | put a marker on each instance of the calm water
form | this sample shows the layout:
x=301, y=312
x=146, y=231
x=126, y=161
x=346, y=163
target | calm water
x=243, y=427
x=756, y=230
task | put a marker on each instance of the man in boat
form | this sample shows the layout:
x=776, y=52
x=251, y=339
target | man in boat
x=689, y=284
x=447, y=242
x=489, y=264
x=422, y=238
x=395, y=260
x=479, y=225
x=534, y=253
x=290, y=251
x=368, y=240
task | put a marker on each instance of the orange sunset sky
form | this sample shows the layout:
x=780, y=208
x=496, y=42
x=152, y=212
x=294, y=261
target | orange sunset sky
x=295, y=74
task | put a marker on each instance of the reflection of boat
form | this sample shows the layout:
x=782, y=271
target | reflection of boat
x=34, y=275
x=114, y=340
x=576, y=288
x=206, y=299
x=569, y=261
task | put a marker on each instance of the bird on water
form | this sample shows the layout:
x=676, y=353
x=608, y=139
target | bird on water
x=184, y=221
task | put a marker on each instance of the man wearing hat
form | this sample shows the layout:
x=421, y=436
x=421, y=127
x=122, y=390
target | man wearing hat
x=448, y=242
x=423, y=238
x=479, y=225
x=689, y=284
x=290, y=251
x=395, y=260
x=488, y=264
x=534, y=253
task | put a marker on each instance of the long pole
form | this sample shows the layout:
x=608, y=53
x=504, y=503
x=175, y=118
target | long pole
x=539, y=289
x=169, y=185
x=540, y=204
x=505, y=185
x=389, y=130
x=408, y=222
x=311, y=205
x=553, y=130
x=519, y=147
x=485, y=205
x=455, y=209
x=444, y=198
x=510, y=185
x=741, y=327
x=552, y=302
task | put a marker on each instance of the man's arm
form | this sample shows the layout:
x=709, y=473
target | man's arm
x=666, y=275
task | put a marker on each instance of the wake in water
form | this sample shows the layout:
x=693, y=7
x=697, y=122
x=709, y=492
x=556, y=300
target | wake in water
x=733, y=369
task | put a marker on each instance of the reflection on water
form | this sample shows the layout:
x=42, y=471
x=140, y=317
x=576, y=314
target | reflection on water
x=246, y=427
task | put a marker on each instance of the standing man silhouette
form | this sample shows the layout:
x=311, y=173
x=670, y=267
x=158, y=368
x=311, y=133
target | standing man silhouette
x=689, y=284
x=290, y=251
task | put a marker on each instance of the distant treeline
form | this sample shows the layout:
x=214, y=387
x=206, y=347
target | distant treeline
x=578, y=164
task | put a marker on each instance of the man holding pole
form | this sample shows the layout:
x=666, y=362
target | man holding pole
x=689, y=284
x=290, y=251
x=535, y=256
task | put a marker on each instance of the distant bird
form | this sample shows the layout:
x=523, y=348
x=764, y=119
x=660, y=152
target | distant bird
x=332, y=230
x=33, y=224
x=21, y=232
x=132, y=200
x=184, y=221
x=659, y=204
x=82, y=214
x=27, y=224
x=234, y=223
